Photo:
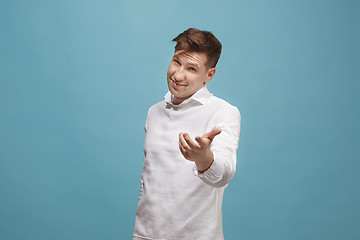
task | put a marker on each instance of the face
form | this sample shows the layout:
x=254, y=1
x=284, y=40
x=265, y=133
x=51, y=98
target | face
x=187, y=74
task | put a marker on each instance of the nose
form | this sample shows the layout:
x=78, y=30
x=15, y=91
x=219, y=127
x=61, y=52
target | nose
x=179, y=75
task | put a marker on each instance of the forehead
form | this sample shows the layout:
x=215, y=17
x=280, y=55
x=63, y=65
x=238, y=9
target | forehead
x=192, y=57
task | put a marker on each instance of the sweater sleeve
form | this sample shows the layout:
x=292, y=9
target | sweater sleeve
x=224, y=147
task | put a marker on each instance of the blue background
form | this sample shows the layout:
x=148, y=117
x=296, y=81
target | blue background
x=77, y=79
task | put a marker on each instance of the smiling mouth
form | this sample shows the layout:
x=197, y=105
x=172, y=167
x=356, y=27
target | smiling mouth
x=177, y=84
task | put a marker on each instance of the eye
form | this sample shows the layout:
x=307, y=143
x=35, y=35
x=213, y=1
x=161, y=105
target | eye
x=192, y=69
x=176, y=61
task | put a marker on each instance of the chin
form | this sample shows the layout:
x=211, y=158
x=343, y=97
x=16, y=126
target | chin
x=173, y=91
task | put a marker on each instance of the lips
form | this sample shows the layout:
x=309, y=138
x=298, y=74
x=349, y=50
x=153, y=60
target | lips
x=176, y=84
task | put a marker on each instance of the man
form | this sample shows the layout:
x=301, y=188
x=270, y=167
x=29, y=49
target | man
x=183, y=177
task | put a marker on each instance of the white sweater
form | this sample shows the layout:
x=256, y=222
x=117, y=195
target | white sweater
x=177, y=202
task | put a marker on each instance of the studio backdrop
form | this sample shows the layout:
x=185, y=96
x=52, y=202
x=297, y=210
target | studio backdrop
x=77, y=78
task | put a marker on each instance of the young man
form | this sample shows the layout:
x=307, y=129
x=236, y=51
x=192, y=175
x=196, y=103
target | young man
x=190, y=149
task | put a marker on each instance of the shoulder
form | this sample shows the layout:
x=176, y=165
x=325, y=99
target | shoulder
x=223, y=109
x=156, y=107
x=224, y=116
x=153, y=112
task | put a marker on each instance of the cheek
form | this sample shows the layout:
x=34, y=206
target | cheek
x=171, y=67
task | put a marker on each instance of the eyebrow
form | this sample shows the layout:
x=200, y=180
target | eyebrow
x=192, y=64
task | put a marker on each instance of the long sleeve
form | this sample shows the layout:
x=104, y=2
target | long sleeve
x=224, y=147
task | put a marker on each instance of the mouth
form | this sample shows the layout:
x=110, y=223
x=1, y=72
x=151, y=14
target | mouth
x=176, y=84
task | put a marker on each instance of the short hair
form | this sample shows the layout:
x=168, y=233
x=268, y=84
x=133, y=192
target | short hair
x=195, y=40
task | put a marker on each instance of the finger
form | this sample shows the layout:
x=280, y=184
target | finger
x=183, y=151
x=190, y=142
x=203, y=141
x=210, y=135
x=183, y=143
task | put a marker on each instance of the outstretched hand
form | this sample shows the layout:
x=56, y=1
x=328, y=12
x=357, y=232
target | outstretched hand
x=198, y=151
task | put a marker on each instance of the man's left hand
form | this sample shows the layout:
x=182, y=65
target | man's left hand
x=198, y=151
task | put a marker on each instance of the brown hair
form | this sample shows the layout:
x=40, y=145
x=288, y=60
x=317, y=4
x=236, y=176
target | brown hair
x=194, y=40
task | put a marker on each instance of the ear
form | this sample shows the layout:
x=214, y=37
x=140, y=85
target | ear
x=210, y=74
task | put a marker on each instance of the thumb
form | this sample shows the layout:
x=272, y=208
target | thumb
x=210, y=135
